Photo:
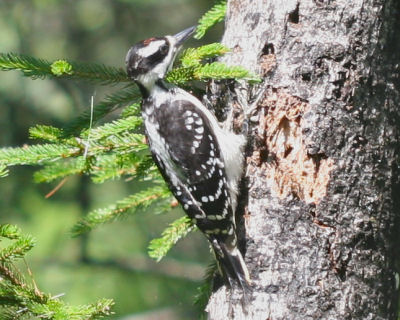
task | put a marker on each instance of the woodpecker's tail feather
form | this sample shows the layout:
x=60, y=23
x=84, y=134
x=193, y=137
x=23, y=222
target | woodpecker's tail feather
x=232, y=265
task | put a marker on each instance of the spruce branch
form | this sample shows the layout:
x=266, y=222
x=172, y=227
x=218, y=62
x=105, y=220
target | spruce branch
x=30, y=67
x=57, y=309
x=47, y=133
x=40, y=154
x=181, y=75
x=36, y=154
x=132, y=165
x=133, y=203
x=193, y=56
x=123, y=143
x=146, y=170
x=40, y=68
x=219, y=71
x=12, y=277
x=114, y=166
x=210, y=71
x=22, y=300
x=114, y=128
x=210, y=18
x=190, y=63
x=178, y=229
x=60, y=169
x=97, y=73
x=131, y=110
x=18, y=249
x=10, y=231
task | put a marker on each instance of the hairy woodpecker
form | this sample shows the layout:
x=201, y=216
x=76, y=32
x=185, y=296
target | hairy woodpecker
x=201, y=162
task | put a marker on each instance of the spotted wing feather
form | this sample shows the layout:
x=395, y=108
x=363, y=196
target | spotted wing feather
x=194, y=154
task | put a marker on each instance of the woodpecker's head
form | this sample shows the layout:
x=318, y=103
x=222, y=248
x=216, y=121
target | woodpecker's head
x=150, y=59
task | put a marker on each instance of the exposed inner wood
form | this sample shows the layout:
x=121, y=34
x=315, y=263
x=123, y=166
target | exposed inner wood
x=267, y=63
x=290, y=168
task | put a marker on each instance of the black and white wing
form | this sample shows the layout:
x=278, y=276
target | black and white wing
x=193, y=166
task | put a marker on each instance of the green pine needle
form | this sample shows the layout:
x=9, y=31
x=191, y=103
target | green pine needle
x=219, y=71
x=133, y=203
x=132, y=166
x=111, y=170
x=3, y=171
x=190, y=63
x=193, y=56
x=30, y=67
x=147, y=170
x=131, y=110
x=18, y=249
x=209, y=71
x=97, y=73
x=86, y=152
x=40, y=68
x=114, y=166
x=114, y=128
x=36, y=154
x=61, y=169
x=210, y=18
x=10, y=231
x=180, y=76
x=158, y=248
x=20, y=299
x=123, y=143
x=47, y=133
x=191, y=67
x=56, y=309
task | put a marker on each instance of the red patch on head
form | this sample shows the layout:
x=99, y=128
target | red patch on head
x=147, y=41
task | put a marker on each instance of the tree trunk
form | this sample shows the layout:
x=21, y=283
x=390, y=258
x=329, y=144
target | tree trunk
x=322, y=178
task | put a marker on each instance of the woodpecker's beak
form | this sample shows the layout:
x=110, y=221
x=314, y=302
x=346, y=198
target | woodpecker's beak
x=182, y=36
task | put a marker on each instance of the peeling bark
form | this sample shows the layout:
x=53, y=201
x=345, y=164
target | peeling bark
x=322, y=179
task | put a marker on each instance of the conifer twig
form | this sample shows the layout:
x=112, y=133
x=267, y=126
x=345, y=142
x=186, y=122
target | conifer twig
x=40, y=68
x=211, y=17
x=20, y=298
x=178, y=229
x=139, y=200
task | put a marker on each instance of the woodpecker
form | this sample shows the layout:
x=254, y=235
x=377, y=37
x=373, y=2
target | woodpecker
x=201, y=162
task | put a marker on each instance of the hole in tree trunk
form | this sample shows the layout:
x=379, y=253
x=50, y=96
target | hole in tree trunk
x=294, y=15
x=268, y=49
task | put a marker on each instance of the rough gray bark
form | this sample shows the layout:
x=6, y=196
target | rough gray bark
x=323, y=170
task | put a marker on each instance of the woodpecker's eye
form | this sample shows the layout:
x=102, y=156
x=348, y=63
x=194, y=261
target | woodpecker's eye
x=164, y=49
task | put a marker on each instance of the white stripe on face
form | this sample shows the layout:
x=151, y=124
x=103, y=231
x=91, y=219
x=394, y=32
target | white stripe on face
x=150, y=49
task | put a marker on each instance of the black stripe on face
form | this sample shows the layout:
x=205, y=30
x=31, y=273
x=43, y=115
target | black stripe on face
x=159, y=55
x=138, y=62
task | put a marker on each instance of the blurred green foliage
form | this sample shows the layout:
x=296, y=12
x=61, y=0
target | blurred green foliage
x=110, y=262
